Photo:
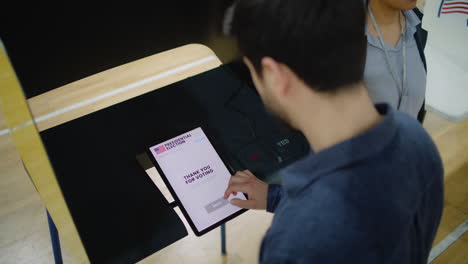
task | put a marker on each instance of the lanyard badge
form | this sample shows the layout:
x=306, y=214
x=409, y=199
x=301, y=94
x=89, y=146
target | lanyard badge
x=401, y=87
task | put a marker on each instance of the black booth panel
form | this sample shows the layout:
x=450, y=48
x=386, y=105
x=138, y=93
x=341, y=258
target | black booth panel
x=51, y=45
x=118, y=211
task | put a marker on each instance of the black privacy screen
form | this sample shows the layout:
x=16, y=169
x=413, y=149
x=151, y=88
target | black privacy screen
x=120, y=215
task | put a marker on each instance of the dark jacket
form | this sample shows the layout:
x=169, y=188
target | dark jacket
x=421, y=38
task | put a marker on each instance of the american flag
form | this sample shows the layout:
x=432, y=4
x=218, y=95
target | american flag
x=160, y=149
x=453, y=6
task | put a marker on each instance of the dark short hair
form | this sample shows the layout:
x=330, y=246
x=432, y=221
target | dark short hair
x=322, y=41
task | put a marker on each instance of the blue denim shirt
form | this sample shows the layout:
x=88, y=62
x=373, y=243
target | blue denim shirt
x=376, y=198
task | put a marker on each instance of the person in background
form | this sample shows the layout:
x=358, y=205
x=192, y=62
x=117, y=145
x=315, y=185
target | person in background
x=371, y=191
x=395, y=70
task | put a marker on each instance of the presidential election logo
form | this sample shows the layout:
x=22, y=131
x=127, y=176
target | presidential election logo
x=171, y=144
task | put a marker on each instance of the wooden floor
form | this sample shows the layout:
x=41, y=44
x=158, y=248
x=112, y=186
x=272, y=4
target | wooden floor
x=25, y=239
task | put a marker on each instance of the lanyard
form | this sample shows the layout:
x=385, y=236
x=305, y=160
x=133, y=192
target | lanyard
x=401, y=88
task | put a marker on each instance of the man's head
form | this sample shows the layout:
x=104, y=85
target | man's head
x=301, y=48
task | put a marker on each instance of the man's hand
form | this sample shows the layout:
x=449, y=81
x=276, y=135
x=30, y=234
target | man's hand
x=246, y=182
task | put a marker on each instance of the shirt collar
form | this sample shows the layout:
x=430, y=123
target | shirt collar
x=412, y=21
x=306, y=171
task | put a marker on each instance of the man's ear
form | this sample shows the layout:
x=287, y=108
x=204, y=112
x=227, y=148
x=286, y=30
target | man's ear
x=276, y=75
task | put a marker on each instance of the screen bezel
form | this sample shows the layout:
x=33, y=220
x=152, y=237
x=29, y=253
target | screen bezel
x=174, y=194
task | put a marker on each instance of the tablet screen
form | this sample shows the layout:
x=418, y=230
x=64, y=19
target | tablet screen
x=197, y=176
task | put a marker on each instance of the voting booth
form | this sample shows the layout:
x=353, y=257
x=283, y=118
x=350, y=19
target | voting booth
x=447, y=58
x=84, y=147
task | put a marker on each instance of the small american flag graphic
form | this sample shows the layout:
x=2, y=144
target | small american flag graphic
x=453, y=7
x=160, y=149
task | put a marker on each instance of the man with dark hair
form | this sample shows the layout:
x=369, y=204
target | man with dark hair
x=372, y=191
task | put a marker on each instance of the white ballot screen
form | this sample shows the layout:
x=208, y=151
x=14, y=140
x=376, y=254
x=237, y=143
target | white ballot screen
x=198, y=176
